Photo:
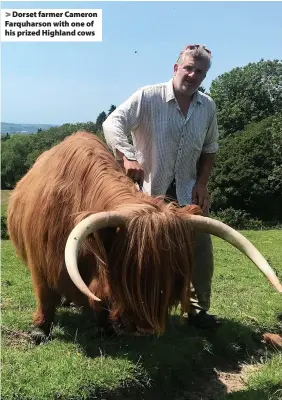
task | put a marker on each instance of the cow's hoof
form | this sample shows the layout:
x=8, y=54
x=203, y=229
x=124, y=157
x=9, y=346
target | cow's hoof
x=38, y=336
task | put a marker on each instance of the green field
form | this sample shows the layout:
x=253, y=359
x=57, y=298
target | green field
x=184, y=364
x=4, y=200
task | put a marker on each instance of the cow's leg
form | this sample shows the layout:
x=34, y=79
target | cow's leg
x=47, y=301
x=104, y=323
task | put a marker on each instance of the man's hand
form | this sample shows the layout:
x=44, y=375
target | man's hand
x=134, y=170
x=201, y=197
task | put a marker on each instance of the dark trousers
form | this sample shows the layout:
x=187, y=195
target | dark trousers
x=203, y=266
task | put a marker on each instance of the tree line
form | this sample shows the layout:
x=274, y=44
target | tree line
x=246, y=182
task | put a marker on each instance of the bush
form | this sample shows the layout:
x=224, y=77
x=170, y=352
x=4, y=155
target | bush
x=247, y=94
x=4, y=229
x=238, y=219
x=248, y=174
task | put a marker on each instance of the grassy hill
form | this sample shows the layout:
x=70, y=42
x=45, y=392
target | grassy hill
x=7, y=127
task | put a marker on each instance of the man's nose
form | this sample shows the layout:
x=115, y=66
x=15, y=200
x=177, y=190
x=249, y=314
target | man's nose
x=192, y=74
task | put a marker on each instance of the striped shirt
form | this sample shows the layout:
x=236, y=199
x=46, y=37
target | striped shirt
x=165, y=143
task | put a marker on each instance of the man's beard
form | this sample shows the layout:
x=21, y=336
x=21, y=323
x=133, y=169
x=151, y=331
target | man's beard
x=187, y=89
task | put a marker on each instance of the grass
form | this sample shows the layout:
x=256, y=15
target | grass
x=4, y=201
x=184, y=364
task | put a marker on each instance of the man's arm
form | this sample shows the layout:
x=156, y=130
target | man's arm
x=120, y=123
x=117, y=127
x=200, y=194
x=206, y=164
x=132, y=168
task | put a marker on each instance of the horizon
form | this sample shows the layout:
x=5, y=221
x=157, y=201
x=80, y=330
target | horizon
x=66, y=82
x=27, y=123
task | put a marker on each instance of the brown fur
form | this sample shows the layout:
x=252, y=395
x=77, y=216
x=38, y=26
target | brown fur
x=140, y=271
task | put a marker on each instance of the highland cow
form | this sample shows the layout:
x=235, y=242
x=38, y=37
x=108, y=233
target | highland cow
x=88, y=234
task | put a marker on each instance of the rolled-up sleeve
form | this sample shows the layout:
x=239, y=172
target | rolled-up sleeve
x=121, y=122
x=211, y=139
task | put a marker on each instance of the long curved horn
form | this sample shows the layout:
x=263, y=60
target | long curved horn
x=225, y=232
x=88, y=225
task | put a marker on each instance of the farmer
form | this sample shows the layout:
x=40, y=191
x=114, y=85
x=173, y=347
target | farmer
x=174, y=134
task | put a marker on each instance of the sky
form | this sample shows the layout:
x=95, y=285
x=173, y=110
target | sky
x=57, y=83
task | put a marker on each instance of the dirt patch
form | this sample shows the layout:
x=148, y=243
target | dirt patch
x=220, y=383
x=15, y=339
x=233, y=382
x=237, y=381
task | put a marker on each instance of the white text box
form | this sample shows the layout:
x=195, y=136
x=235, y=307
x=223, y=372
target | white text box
x=51, y=25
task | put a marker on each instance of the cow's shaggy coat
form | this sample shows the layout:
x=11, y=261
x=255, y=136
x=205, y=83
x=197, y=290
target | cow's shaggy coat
x=140, y=271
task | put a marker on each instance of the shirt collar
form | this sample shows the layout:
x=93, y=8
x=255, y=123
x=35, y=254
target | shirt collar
x=170, y=93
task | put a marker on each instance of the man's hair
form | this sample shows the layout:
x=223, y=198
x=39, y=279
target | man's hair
x=199, y=52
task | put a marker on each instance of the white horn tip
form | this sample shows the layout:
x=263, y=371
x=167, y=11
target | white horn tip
x=94, y=297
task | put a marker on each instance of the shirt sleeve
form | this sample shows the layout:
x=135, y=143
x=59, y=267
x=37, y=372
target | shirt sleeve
x=211, y=139
x=120, y=123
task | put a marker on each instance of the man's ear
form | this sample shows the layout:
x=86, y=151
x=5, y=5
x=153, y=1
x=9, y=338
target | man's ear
x=175, y=68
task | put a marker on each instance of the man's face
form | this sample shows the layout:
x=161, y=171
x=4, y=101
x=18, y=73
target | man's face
x=189, y=75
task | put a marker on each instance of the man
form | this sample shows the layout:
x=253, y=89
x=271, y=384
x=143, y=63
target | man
x=174, y=140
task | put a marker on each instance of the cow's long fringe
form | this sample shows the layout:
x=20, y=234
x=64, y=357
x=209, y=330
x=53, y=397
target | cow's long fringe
x=143, y=270
x=151, y=272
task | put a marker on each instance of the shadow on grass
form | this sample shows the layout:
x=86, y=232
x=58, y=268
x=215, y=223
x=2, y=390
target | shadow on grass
x=182, y=364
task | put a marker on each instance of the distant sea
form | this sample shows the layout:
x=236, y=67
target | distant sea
x=7, y=127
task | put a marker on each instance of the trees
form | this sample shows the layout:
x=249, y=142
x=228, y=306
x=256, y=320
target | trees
x=103, y=116
x=20, y=151
x=248, y=172
x=6, y=137
x=247, y=177
x=100, y=119
x=112, y=108
x=275, y=178
x=14, y=153
x=247, y=94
